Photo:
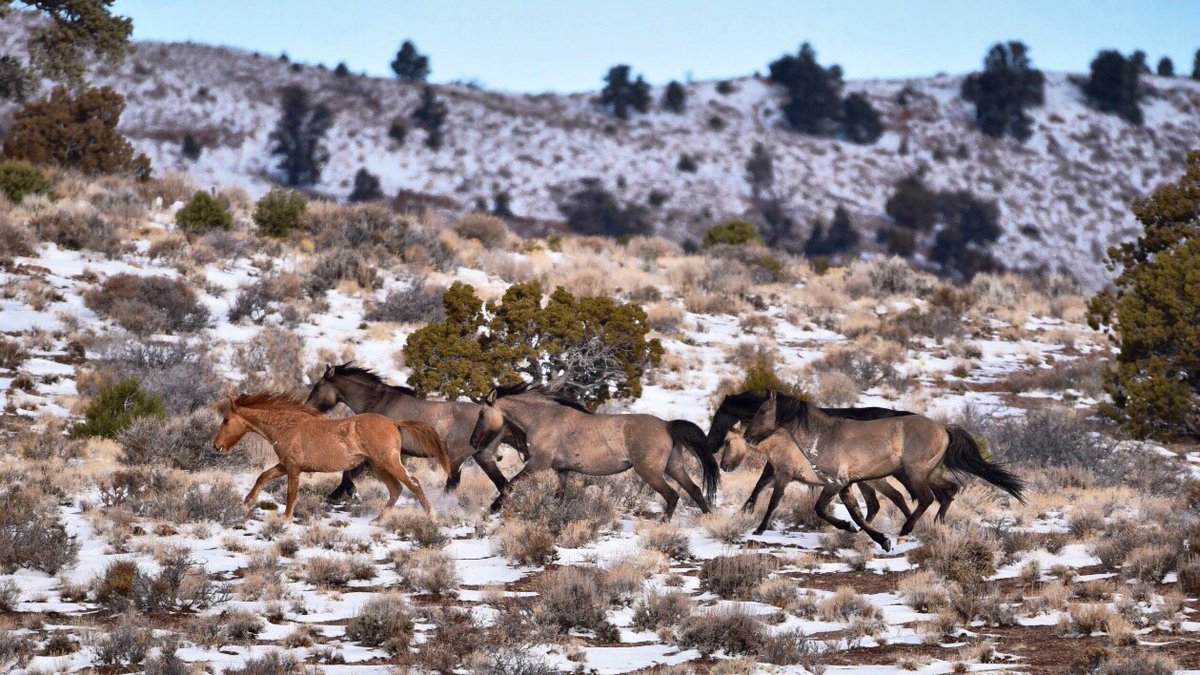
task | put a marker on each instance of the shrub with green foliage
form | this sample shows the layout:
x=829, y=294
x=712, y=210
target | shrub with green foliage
x=1114, y=86
x=279, y=212
x=760, y=377
x=814, y=93
x=19, y=178
x=204, y=212
x=595, y=347
x=733, y=232
x=1153, y=314
x=117, y=406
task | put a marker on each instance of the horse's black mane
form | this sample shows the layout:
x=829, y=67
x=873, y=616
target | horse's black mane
x=351, y=370
x=790, y=409
x=734, y=408
x=529, y=388
x=741, y=407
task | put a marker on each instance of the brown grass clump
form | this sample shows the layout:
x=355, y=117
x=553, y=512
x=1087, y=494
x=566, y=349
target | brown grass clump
x=1084, y=618
x=426, y=571
x=487, y=230
x=148, y=304
x=965, y=555
x=414, y=525
x=846, y=604
x=1150, y=562
x=924, y=592
x=728, y=527
x=665, y=538
x=526, y=543
x=737, y=576
x=576, y=598
x=331, y=572
x=731, y=628
x=662, y=610
x=386, y=621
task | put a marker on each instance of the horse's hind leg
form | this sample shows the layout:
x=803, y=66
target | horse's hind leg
x=852, y=506
x=924, y=499
x=885, y=488
x=944, y=491
x=345, y=489
x=871, y=499
x=656, y=481
x=828, y=492
x=768, y=473
x=678, y=472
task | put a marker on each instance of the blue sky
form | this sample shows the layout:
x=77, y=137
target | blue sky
x=567, y=45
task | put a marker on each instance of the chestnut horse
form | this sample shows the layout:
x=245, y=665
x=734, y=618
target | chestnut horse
x=308, y=442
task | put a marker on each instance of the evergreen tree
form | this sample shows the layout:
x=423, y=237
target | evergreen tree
x=1007, y=86
x=502, y=205
x=593, y=349
x=341, y=70
x=298, y=137
x=675, y=97
x=621, y=94
x=366, y=187
x=969, y=226
x=76, y=28
x=842, y=237
x=593, y=210
x=1166, y=67
x=409, y=64
x=860, y=122
x=1138, y=60
x=15, y=82
x=398, y=130
x=760, y=172
x=190, y=148
x=1196, y=66
x=430, y=116
x=912, y=205
x=815, y=246
x=76, y=132
x=813, y=102
x=1153, y=314
x=1114, y=86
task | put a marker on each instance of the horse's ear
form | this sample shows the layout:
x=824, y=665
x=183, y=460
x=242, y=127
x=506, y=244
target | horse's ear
x=491, y=397
x=772, y=396
x=329, y=370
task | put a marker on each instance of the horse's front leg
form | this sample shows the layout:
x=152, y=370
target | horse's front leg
x=852, y=506
x=781, y=483
x=828, y=492
x=263, y=478
x=767, y=473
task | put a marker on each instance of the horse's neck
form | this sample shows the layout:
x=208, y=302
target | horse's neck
x=362, y=397
x=270, y=424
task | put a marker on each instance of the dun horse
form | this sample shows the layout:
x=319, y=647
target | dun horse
x=365, y=392
x=308, y=442
x=841, y=452
x=563, y=436
x=740, y=408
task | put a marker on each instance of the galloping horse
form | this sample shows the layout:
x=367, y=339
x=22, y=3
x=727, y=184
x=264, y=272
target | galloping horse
x=306, y=441
x=741, y=407
x=564, y=436
x=365, y=392
x=842, y=452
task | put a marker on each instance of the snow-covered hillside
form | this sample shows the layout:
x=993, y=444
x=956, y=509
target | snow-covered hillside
x=1063, y=195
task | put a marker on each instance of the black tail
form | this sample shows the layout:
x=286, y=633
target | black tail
x=963, y=455
x=690, y=436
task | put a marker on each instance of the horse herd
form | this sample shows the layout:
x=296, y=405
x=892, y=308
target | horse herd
x=829, y=448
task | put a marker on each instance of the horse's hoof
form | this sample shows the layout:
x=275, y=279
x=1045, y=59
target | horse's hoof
x=885, y=545
x=759, y=531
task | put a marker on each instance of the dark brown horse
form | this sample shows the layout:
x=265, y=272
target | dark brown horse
x=306, y=441
x=740, y=408
x=566, y=437
x=363, y=391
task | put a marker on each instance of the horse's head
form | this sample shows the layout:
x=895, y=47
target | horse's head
x=233, y=427
x=488, y=425
x=765, y=420
x=733, y=451
x=325, y=393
